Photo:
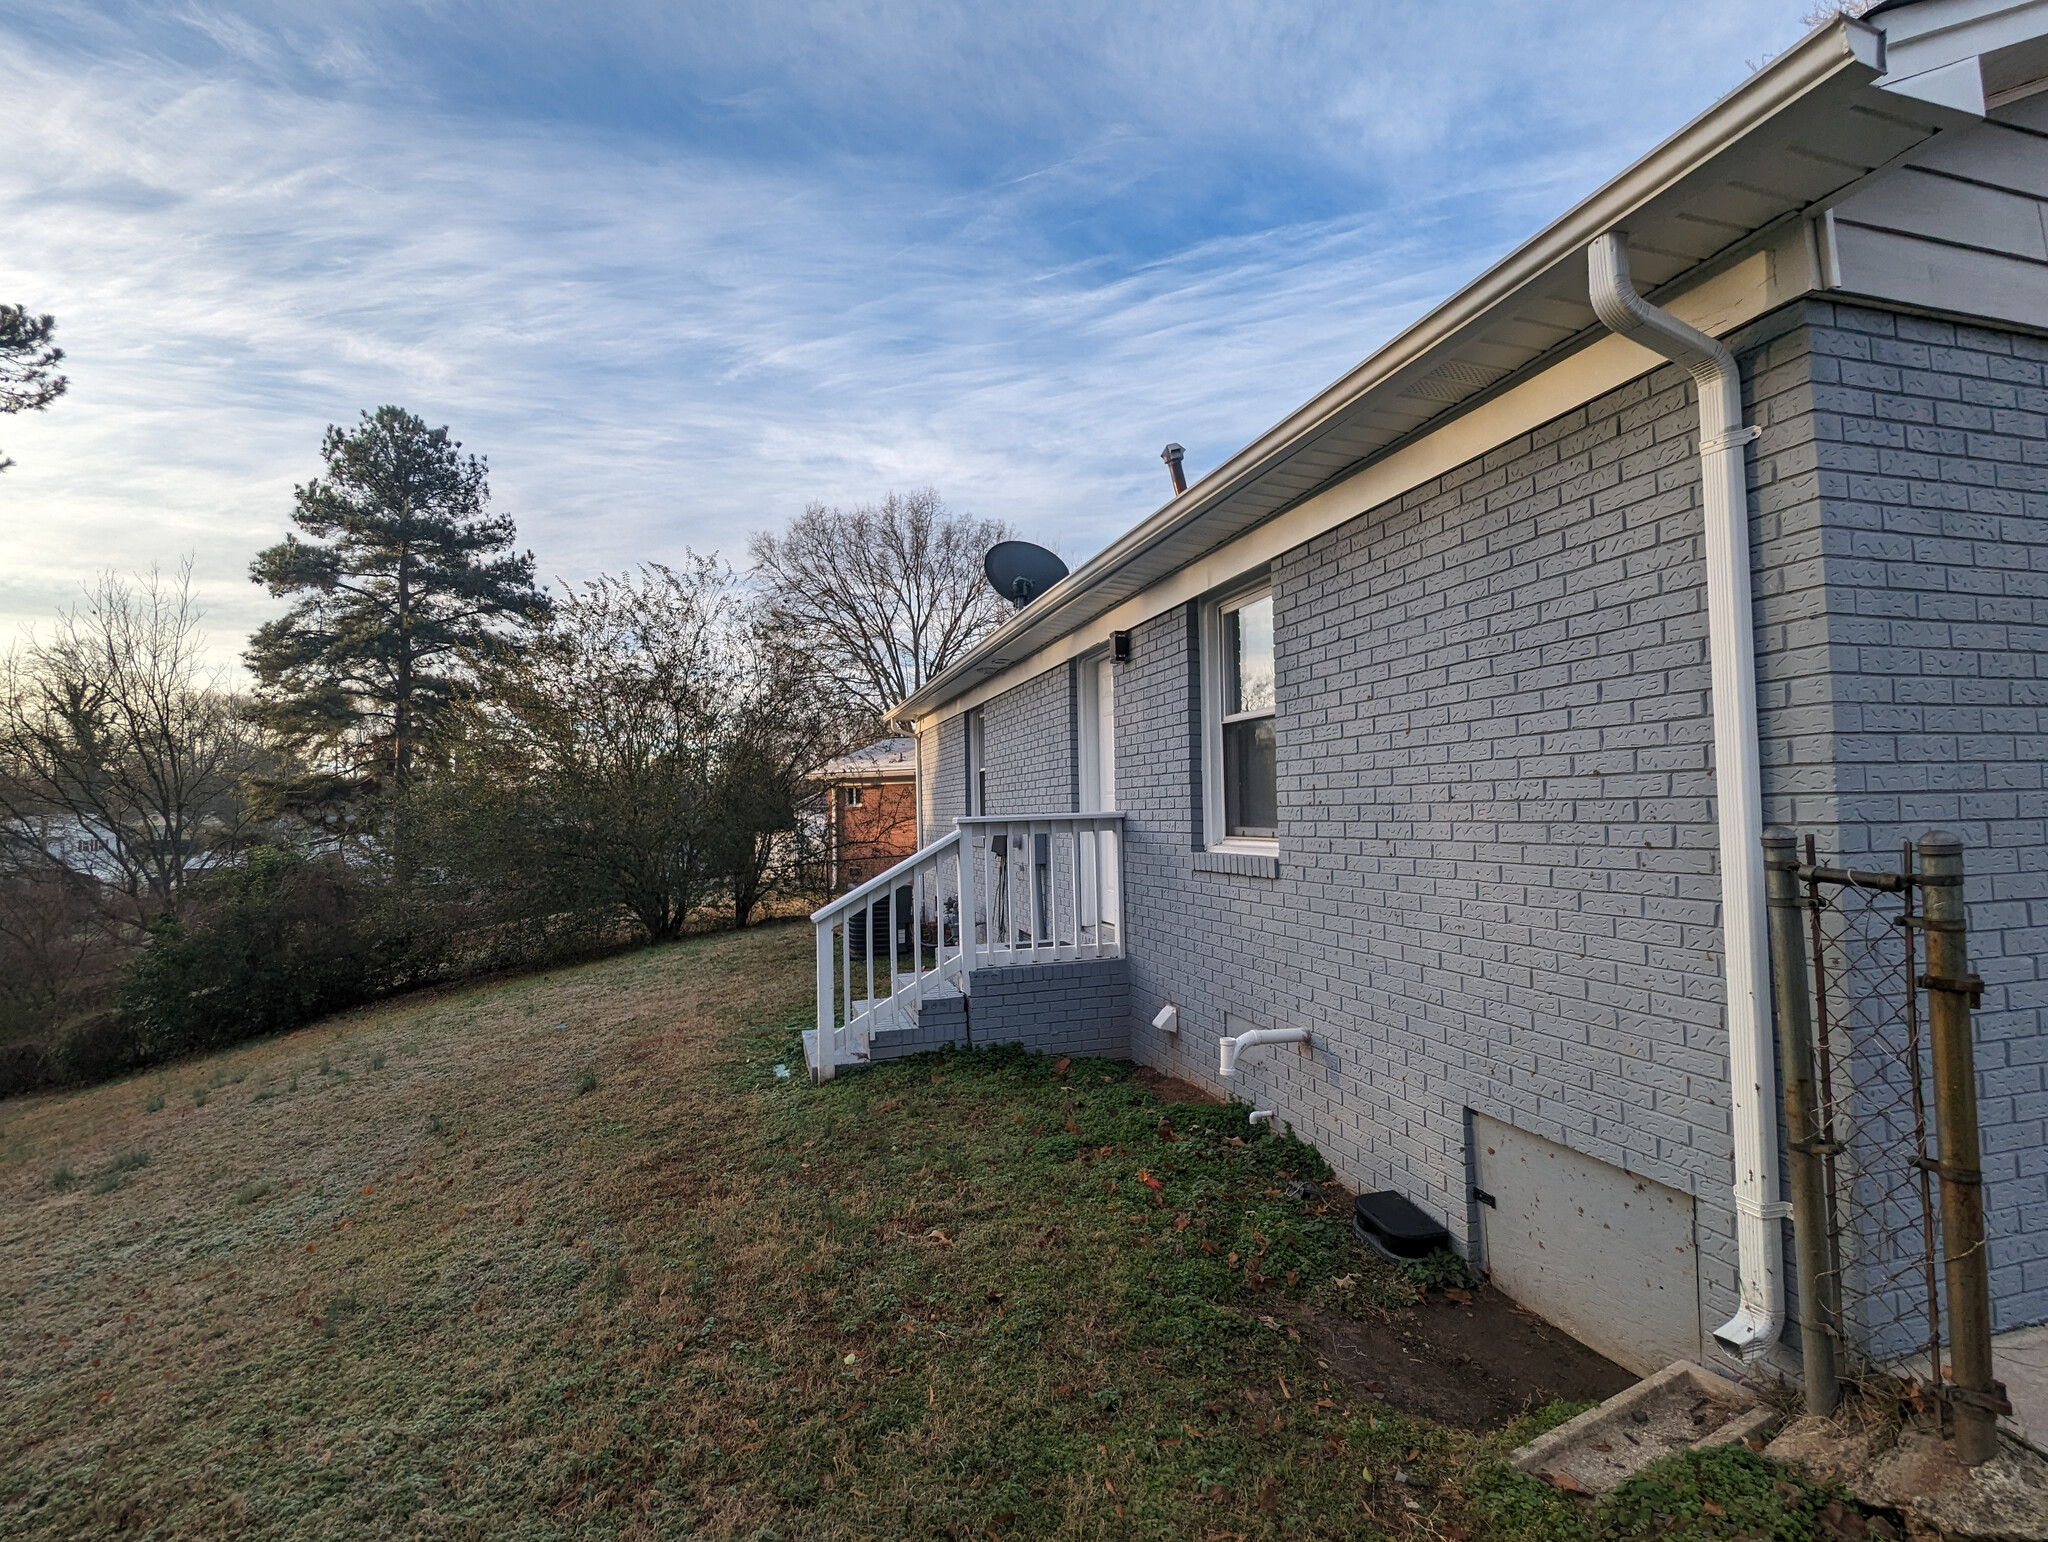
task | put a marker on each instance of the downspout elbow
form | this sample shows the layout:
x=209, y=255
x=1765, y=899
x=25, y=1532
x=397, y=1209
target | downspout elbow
x=1705, y=358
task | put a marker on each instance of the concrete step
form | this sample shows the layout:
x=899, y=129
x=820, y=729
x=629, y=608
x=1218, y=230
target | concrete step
x=855, y=1062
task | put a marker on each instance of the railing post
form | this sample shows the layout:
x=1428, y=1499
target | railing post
x=825, y=1004
x=1804, y=1137
x=1976, y=1399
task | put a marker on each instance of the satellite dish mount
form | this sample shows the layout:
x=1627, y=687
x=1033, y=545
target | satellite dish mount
x=1021, y=572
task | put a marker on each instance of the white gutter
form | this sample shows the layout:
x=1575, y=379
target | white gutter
x=1838, y=47
x=1738, y=784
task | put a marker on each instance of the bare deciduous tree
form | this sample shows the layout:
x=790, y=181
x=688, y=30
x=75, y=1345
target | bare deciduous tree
x=122, y=754
x=882, y=596
x=595, y=750
x=59, y=951
x=780, y=722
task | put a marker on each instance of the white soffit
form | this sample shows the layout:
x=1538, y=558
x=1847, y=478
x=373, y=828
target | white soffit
x=1810, y=124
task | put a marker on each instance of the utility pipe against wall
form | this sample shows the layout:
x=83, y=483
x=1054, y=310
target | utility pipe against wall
x=1738, y=784
x=1230, y=1048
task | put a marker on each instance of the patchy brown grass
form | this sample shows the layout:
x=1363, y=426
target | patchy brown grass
x=348, y=1301
x=410, y=1273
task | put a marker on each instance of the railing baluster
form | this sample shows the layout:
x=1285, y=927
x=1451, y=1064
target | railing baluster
x=1074, y=889
x=1009, y=908
x=846, y=969
x=823, y=1001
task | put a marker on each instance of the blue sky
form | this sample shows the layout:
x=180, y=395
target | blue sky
x=679, y=269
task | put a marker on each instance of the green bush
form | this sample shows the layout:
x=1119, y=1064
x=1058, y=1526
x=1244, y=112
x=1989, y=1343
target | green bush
x=275, y=942
x=24, y=1066
x=92, y=1049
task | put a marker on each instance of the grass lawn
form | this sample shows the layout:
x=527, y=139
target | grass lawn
x=564, y=1256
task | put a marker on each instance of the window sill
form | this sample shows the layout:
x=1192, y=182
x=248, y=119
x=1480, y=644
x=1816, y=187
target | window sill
x=1243, y=862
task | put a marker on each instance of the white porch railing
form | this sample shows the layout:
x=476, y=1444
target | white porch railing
x=1040, y=889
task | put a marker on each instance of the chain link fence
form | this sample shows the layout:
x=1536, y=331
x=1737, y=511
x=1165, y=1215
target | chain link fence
x=1872, y=1071
x=1873, y=1012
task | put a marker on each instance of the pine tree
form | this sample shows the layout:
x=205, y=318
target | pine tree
x=400, y=572
x=28, y=363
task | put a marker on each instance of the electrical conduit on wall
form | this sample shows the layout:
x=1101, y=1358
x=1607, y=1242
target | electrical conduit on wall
x=1738, y=784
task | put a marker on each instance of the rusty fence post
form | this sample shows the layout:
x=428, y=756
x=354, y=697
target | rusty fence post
x=1804, y=1138
x=1976, y=1399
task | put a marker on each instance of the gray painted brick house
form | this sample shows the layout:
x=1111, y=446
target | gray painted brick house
x=1422, y=718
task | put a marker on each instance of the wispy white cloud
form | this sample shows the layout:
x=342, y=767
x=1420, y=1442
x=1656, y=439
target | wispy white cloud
x=785, y=255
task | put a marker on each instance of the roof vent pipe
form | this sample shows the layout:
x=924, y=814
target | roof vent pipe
x=1171, y=455
x=1737, y=785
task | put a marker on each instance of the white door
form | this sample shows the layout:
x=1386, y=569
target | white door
x=1096, y=754
x=1097, y=750
x=1105, y=734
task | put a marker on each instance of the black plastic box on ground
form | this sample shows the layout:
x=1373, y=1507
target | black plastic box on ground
x=1395, y=1229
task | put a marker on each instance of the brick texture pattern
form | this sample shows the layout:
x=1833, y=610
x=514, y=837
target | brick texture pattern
x=1079, y=1008
x=1028, y=737
x=1931, y=456
x=1497, y=886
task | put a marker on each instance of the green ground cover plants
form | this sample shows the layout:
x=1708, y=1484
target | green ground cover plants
x=617, y=1278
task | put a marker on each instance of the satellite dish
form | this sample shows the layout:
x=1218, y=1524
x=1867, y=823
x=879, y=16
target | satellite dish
x=1022, y=572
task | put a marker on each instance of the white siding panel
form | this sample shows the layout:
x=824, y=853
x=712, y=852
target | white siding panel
x=2028, y=112
x=2004, y=157
x=1885, y=265
x=1968, y=213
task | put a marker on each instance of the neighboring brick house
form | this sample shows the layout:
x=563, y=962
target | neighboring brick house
x=871, y=810
x=1429, y=713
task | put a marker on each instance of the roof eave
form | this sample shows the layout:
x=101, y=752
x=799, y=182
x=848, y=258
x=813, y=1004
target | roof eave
x=1822, y=55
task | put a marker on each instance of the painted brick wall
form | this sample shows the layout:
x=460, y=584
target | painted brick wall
x=1932, y=456
x=1497, y=884
x=1027, y=735
x=1078, y=1008
x=942, y=759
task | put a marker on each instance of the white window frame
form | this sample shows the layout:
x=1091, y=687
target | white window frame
x=856, y=795
x=977, y=764
x=1214, y=636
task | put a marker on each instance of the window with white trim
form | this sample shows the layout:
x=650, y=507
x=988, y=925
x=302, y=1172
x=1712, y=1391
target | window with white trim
x=977, y=764
x=1243, y=798
x=854, y=795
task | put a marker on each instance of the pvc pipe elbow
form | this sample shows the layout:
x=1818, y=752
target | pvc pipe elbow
x=1230, y=1048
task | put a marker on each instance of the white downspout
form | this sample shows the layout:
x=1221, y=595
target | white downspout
x=1738, y=785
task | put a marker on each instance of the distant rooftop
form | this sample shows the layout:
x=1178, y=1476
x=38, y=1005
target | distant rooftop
x=884, y=760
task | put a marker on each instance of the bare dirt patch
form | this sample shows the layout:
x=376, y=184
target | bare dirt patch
x=1171, y=1089
x=1474, y=1365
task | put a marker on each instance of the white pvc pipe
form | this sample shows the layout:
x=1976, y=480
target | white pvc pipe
x=1738, y=785
x=1230, y=1048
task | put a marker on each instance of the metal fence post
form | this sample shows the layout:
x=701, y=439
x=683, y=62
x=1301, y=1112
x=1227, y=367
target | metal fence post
x=1804, y=1137
x=1976, y=1399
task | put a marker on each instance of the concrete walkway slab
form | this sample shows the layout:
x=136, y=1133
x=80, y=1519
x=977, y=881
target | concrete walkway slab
x=1683, y=1405
x=2020, y=1360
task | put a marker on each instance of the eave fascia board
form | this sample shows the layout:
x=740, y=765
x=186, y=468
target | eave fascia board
x=1824, y=54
